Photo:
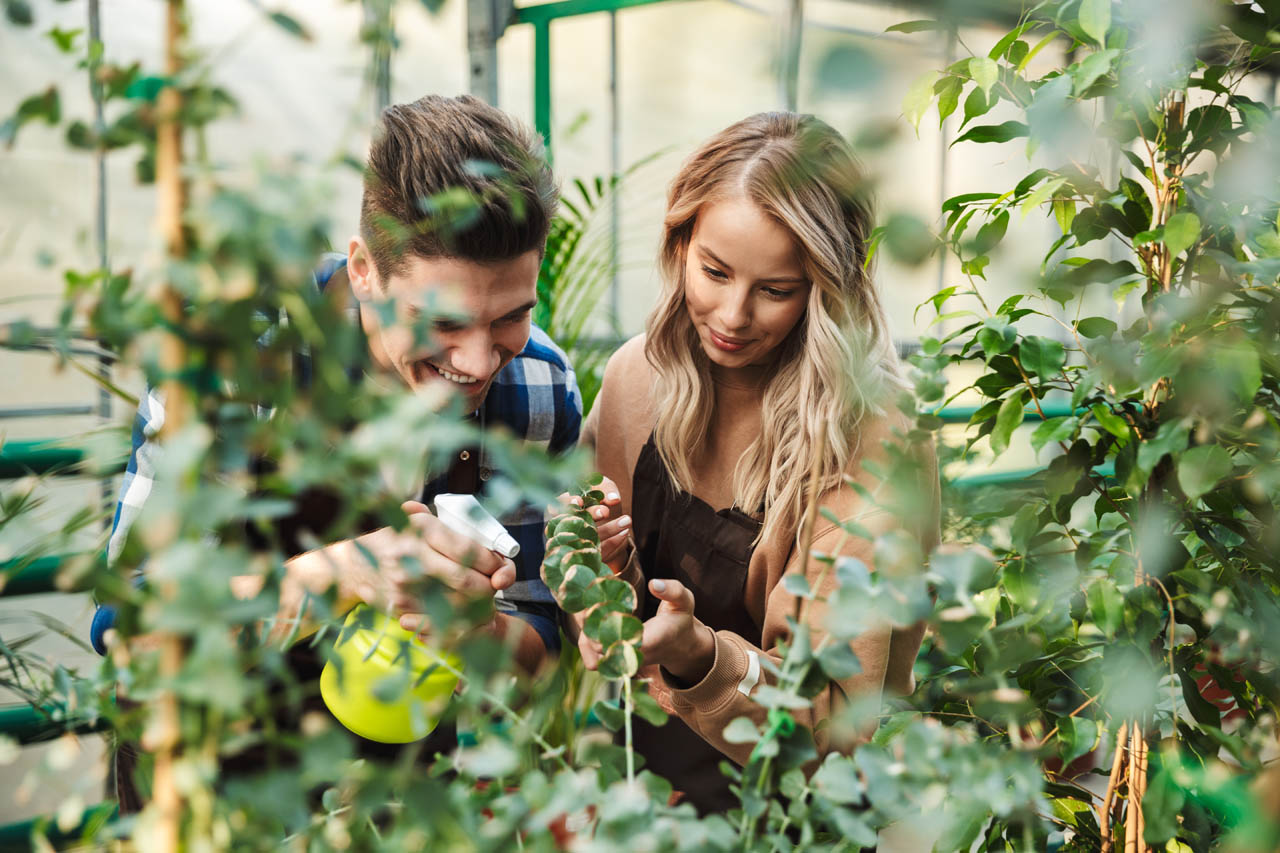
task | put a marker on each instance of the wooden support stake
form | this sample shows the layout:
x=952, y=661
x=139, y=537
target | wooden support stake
x=1113, y=783
x=164, y=734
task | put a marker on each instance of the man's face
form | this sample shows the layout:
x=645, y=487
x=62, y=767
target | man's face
x=486, y=311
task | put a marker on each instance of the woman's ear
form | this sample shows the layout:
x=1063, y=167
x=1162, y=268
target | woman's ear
x=364, y=277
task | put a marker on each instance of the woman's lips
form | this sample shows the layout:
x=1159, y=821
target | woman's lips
x=726, y=344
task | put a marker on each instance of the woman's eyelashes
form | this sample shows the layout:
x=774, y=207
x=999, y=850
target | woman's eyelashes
x=778, y=293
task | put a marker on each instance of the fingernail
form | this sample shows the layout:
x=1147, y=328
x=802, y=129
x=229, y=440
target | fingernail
x=599, y=511
x=612, y=496
x=625, y=521
x=659, y=586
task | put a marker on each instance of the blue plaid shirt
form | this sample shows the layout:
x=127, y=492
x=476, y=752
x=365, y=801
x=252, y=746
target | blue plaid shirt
x=535, y=396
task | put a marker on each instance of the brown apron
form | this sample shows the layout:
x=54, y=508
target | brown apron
x=679, y=536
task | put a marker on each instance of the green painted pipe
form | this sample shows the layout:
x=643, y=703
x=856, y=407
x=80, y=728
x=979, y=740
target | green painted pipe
x=21, y=458
x=15, y=837
x=27, y=724
x=34, y=578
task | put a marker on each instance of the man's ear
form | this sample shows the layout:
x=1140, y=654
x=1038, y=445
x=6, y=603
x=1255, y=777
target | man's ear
x=364, y=278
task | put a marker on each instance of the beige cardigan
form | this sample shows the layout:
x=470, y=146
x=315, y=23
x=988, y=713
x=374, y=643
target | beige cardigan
x=618, y=427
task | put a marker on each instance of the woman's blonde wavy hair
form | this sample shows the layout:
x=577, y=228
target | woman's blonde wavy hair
x=838, y=363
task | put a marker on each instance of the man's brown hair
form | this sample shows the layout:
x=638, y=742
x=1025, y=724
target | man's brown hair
x=454, y=178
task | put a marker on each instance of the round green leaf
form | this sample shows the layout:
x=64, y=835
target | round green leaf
x=1200, y=469
x=1077, y=735
x=1181, y=232
x=1042, y=356
x=1096, y=327
x=1007, y=420
x=1095, y=19
x=984, y=71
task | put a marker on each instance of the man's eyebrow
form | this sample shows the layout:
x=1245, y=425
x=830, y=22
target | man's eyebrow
x=528, y=306
x=414, y=312
x=780, y=279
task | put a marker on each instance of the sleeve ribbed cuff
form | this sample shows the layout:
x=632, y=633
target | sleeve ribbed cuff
x=727, y=675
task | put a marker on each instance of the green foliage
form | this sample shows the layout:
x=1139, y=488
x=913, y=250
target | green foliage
x=1133, y=579
x=1120, y=566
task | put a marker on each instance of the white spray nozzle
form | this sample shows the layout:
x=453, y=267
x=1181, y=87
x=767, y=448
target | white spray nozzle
x=463, y=514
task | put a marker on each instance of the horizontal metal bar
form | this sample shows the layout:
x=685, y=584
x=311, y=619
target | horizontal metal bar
x=1016, y=476
x=962, y=414
x=44, y=411
x=15, y=837
x=542, y=12
x=27, y=724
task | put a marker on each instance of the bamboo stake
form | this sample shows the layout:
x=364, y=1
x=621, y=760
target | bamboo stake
x=1134, y=823
x=164, y=733
x=1113, y=783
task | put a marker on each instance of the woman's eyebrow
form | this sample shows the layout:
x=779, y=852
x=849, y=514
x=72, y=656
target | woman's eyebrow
x=713, y=256
x=777, y=279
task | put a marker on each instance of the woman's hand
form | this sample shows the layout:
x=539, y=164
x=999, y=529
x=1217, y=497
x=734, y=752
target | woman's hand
x=674, y=638
x=611, y=525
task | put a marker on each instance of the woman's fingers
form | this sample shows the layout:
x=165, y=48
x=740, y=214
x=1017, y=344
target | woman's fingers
x=590, y=651
x=675, y=596
x=414, y=508
x=614, y=546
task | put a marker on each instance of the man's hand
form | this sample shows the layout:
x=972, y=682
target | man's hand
x=460, y=563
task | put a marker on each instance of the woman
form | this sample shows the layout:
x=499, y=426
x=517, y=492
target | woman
x=766, y=361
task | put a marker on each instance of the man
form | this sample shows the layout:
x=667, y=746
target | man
x=487, y=353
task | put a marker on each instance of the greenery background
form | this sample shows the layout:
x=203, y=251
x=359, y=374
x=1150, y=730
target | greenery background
x=1188, y=374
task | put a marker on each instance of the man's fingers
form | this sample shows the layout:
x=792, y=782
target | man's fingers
x=414, y=508
x=455, y=546
x=503, y=577
x=674, y=595
x=416, y=623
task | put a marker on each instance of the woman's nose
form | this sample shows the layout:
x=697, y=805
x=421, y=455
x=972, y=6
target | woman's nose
x=735, y=312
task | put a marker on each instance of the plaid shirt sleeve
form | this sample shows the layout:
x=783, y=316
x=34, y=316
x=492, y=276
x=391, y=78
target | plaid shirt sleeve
x=537, y=396
x=139, y=475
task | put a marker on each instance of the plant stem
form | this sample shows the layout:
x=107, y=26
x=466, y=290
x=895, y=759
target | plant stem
x=1113, y=783
x=626, y=722
x=510, y=712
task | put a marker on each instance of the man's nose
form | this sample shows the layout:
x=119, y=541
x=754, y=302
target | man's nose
x=475, y=354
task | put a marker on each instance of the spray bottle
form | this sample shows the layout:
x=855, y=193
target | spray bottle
x=377, y=695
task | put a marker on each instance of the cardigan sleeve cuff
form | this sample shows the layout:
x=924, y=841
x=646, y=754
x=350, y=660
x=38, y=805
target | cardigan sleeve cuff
x=731, y=673
x=632, y=573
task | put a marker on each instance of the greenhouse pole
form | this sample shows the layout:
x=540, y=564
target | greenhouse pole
x=162, y=736
x=100, y=218
x=615, y=172
x=486, y=21
x=789, y=70
x=377, y=17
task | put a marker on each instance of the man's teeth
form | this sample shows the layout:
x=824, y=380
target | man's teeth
x=454, y=377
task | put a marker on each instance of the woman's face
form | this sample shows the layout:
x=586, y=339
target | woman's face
x=745, y=289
